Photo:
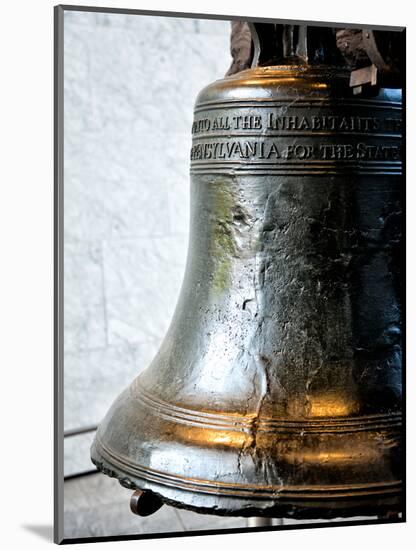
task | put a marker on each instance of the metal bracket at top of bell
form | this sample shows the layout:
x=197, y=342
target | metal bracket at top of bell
x=287, y=44
x=384, y=68
x=282, y=44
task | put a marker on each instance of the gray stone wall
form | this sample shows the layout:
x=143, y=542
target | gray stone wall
x=130, y=83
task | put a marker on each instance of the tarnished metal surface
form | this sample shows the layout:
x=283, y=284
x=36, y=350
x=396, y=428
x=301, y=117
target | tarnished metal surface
x=277, y=390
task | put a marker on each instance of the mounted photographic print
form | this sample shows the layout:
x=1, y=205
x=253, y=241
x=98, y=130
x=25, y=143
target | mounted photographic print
x=229, y=274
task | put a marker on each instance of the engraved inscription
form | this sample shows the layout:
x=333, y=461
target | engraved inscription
x=294, y=138
x=273, y=149
x=284, y=122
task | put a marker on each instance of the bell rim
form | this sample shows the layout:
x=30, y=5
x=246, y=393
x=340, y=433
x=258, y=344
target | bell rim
x=254, y=491
x=322, y=504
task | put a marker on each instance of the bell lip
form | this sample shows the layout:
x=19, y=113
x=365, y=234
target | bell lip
x=137, y=466
x=303, y=506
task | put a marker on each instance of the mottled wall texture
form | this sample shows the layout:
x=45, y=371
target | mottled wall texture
x=130, y=85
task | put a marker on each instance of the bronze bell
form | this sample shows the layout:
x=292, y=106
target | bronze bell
x=277, y=389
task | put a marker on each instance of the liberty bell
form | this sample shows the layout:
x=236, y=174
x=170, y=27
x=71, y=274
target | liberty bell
x=277, y=389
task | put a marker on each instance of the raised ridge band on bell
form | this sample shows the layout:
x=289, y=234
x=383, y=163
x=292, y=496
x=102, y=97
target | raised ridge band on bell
x=241, y=422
